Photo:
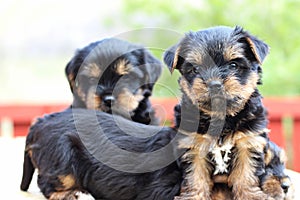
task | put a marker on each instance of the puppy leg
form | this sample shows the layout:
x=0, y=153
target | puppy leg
x=198, y=180
x=244, y=182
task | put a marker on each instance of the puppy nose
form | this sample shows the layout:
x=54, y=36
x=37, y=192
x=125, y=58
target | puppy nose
x=147, y=93
x=285, y=187
x=108, y=100
x=215, y=85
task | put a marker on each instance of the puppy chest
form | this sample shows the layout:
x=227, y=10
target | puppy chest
x=221, y=158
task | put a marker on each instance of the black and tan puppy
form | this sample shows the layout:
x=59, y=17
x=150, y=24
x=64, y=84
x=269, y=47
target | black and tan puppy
x=114, y=76
x=275, y=180
x=222, y=115
x=80, y=151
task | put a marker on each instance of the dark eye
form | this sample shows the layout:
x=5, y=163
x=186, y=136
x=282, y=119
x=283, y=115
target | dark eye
x=195, y=69
x=233, y=65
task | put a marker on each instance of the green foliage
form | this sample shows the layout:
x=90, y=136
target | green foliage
x=276, y=22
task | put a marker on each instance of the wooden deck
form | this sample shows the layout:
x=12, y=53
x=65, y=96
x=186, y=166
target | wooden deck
x=11, y=156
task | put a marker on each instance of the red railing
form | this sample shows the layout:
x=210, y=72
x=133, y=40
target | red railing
x=284, y=116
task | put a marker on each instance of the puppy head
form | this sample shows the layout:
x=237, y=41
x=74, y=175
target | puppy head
x=112, y=75
x=275, y=181
x=220, y=62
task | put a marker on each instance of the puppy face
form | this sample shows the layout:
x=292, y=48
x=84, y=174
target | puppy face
x=275, y=181
x=218, y=63
x=112, y=76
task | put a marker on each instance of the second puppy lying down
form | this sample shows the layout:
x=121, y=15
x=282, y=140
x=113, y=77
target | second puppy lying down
x=84, y=150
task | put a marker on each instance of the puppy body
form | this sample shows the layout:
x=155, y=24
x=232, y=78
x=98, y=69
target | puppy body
x=114, y=76
x=222, y=114
x=64, y=148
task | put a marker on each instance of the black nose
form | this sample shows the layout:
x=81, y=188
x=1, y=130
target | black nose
x=215, y=85
x=147, y=93
x=285, y=187
x=108, y=100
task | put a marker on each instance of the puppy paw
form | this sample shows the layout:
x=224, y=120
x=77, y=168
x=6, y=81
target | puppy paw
x=83, y=196
x=71, y=195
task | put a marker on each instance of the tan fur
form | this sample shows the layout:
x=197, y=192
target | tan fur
x=272, y=186
x=71, y=78
x=64, y=195
x=81, y=94
x=268, y=156
x=129, y=101
x=122, y=67
x=242, y=177
x=195, y=57
x=67, y=182
x=253, y=49
x=92, y=70
x=233, y=51
x=232, y=88
x=282, y=156
x=92, y=99
x=222, y=192
x=198, y=173
x=192, y=91
x=245, y=184
x=176, y=56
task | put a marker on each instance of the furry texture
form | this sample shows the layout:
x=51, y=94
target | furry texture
x=222, y=114
x=219, y=66
x=58, y=146
x=114, y=76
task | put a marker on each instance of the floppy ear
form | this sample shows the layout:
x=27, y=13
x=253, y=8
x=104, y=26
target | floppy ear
x=172, y=59
x=69, y=71
x=255, y=47
x=258, y=48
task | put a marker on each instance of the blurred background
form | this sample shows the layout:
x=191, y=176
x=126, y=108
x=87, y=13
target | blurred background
x=38, y=38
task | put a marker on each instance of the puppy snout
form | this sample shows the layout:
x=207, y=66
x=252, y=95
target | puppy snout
x=147, y=93
x=215, y=85
x=285, y=186
x=108, y=100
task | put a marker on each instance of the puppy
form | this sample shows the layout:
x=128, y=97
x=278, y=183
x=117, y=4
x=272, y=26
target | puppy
x=275, y=181
x=81, y=151
x=222, y=114
x=114, y=76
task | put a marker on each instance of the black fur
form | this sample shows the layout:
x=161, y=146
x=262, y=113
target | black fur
x=202, y=55
x=105, y=54
x=57, y=149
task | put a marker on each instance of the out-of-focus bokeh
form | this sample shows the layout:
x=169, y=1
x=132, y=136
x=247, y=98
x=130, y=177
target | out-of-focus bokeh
x=38, y=38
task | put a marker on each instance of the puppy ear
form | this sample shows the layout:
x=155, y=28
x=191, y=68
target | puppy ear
x=258, y=48
x=172, y=59
x=69, y=71
x=154, y=66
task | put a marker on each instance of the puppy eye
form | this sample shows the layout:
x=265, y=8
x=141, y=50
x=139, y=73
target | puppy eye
x=195, y=69
x=233, y=65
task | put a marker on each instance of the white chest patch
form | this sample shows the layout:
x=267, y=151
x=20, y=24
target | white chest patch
x=221, y=157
